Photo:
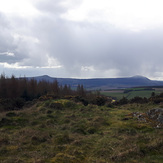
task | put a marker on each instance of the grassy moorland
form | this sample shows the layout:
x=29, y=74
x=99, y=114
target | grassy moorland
x=64, y=131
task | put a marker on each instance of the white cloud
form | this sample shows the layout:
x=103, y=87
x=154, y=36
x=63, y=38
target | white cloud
x=135, y=15
x=52, y=62
x=24, y=37
x=22, y=8
x=14, y=66
x=8, y=54
x=82, y=38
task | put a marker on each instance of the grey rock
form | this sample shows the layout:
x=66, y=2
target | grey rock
x=156, y=114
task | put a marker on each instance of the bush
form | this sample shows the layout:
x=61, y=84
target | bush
x=81, y=99
x=99, y=100
x=6, y=104
x=11, y=104
x=123, y=101
x=19, y=103
x=138, y=99
x=158, y=100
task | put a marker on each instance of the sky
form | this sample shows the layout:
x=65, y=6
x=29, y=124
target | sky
x=81, y=38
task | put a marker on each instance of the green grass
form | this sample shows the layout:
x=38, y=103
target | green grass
x=141, y=92
x=115, y=95
x=77, y=133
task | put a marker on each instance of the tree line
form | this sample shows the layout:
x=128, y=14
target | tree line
x=30, y=89
x=15, y=92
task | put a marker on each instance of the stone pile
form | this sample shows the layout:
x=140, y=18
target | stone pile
x=153, y=116
x=156, y=115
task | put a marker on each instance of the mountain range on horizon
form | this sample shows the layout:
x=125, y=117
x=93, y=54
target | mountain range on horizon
x=103, y=83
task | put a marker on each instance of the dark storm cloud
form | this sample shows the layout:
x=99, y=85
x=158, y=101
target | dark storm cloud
x=81, y=48
x=6, y=41
x=77, y=44
x=8, y=44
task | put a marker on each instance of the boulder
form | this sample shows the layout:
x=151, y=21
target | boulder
x=156, y=114
x=153, y=117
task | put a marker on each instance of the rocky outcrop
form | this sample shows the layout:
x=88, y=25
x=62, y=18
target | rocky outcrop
x=156, y=115
x=153, y=116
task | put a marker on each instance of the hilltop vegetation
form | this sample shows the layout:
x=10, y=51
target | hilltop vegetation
x=61, y=130
x=46, y=122
x=15, y=92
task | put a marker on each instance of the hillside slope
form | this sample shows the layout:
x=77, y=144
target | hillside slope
x=104, y=83
x=59, y=131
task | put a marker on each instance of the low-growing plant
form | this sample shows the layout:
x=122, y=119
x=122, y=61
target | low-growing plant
x=56, y=105
x=85, y=134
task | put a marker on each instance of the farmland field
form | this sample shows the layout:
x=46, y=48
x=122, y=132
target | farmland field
x=115, y=94
x=132, y=92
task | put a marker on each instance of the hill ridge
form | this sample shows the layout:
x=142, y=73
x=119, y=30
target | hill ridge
x=103, y=83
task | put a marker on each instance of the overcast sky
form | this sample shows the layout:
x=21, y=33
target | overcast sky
x=81, y=38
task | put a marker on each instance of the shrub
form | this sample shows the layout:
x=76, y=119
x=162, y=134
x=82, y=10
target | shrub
x=99, y=100
x=19, y=103
x=158, y=100
x=84, y=101
x=11, y=104
x=123, y=101
x=138, y=99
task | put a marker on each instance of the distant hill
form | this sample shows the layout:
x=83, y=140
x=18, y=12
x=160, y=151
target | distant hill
x=104, y=83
